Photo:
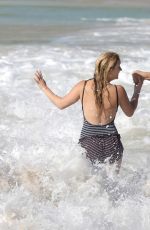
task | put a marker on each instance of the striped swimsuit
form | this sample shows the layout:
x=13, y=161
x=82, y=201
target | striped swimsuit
x=101, y=142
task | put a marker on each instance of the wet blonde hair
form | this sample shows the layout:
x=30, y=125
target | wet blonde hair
x=105, y=62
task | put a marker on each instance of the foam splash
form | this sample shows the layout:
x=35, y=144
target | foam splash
x=62, y=190
x=45, y=181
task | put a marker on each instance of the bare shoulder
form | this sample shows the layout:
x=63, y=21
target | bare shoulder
x=120, y=87
x=122, y=94
x=121, y=90
x=79, y=86
x=123, y=97
x=81, y=83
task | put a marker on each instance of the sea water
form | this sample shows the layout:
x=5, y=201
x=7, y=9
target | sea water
x=46, y=183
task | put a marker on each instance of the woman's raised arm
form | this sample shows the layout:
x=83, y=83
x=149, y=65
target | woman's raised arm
x=60, y=102
x=129, y=106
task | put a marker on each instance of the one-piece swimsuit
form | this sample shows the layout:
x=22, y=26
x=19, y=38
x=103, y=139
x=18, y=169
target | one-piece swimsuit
x=101, y=142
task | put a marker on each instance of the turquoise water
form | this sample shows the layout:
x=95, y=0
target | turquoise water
x=43, y=24
x=32, y=15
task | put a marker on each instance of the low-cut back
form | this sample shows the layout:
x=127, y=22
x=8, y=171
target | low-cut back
x=101, y=142
x=117, y=102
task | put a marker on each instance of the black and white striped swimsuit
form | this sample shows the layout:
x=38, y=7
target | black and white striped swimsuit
x=101, y=142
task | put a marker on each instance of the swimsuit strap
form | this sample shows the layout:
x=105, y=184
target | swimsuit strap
x=117, y=97
x=82, y=97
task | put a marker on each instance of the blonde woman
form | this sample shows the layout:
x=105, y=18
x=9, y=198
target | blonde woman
x=100, y=100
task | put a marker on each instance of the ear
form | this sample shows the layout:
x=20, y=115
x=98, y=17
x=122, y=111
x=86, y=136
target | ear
x=110, y=71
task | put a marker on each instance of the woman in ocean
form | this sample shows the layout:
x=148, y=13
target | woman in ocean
x=100, y=100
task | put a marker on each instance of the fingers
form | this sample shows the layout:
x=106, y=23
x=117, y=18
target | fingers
x=136, y=74
x=141, y=80
x=38, y=77
x=137, y=78
x=38, y=74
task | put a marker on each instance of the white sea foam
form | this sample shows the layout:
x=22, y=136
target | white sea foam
x=45, y=181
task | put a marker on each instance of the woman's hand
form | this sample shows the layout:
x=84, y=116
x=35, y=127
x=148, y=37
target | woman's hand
x=137, y=78
x=39, y=79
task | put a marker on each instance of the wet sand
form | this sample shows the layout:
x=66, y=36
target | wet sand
x=16, y=34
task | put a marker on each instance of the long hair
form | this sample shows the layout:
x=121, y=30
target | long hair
x=105, y=62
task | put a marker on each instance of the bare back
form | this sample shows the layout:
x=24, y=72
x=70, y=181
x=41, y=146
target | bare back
x=93, y=114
